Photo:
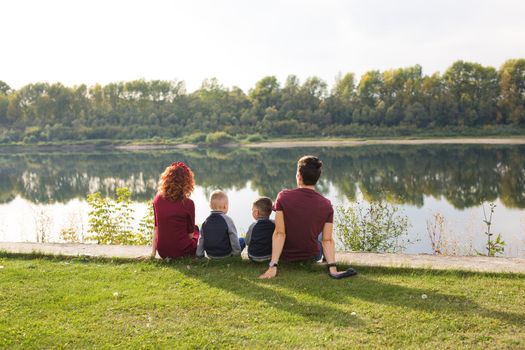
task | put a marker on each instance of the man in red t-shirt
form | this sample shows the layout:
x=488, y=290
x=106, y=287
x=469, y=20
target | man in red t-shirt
x=300, y=216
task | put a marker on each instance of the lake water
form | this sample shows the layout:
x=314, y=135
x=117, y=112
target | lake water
x=42, y=193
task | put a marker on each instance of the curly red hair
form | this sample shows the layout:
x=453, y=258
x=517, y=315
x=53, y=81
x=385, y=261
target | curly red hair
x=176, y=183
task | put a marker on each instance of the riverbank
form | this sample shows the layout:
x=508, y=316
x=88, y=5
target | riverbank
x=344, y=143
x=423, y=141
x=271, y=143
x=79, y=302
x=425, y=261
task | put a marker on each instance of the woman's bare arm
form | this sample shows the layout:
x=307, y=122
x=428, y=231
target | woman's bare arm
x=154, y=238
x=154, y=243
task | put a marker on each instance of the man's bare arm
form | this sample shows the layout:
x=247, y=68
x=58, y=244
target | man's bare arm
x=278, y=239
x=329, y=246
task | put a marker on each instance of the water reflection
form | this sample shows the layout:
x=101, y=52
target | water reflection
x=464, y=175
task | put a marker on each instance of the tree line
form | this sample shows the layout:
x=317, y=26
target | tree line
x=466, y=95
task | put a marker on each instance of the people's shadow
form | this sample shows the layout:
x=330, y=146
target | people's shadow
x=332, y=300
x=367, y=287
x=284, y=294
x=294, y=292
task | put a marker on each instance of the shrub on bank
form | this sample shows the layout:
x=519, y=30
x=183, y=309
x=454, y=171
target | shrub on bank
x=197, y=137
x=254, y=138
x=110, y=221
x=219, y=138
x=372, y=227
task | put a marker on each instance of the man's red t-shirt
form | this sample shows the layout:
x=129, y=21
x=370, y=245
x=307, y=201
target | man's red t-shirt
x=174, y=221
x=305, y=213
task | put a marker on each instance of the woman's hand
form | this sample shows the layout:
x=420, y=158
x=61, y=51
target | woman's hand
x=146, y=257
x=270, y=273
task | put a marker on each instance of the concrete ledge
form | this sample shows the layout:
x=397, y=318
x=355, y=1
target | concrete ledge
x=466, y=263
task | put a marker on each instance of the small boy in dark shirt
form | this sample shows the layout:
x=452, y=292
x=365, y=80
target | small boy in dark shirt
x=218, y=236
x=259, y=235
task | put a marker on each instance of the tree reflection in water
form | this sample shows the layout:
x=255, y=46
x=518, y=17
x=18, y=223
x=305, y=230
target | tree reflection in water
x=465, y=175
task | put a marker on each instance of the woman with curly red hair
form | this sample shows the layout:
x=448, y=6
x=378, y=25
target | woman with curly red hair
x=175, y=232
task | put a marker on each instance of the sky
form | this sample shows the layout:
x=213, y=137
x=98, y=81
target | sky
x=240, y=41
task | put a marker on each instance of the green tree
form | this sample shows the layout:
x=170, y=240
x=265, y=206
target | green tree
x=473, y=90
x=265, y=94
x=512, y=88
x=368, y=98
x=4, y=88
x=393, y=102
x=4, y=105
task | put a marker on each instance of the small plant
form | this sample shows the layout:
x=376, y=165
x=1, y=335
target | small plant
x=436, y=233
x=374, y=227
x=443, y=241
x=497, y=246
x=43, y=223
x=69, y=234
x=73, y=231
x=110, y=221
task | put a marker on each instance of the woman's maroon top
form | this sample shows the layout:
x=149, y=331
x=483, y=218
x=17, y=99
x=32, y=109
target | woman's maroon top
x=174, y=221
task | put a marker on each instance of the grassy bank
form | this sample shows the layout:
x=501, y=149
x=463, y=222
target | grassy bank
x=267, y=142
x=79, y=303
x=353, y=133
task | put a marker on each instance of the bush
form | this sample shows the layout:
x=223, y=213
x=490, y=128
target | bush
x=7, y=136
x=254, y=138
x=374, y=227
x=110, y=221
x=197, y=137
x=103, y=132
x=30, y=139
x=219, y=138
x=60, y=132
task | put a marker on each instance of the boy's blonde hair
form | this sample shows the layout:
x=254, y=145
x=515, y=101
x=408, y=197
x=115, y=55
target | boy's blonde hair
x=217, y=199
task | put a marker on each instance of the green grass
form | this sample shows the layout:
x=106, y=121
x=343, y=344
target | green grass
x=57, y=302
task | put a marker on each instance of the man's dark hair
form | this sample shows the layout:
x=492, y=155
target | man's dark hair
x=264, y=205
x=310, y=169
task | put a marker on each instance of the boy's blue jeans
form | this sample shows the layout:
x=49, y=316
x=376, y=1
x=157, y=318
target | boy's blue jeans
x=242, y=243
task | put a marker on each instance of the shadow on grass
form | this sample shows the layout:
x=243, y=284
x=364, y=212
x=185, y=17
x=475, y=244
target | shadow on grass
x=239, y=278
x=396, y=295
x=329, y=297
x=365, y=287
x=342, y=293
